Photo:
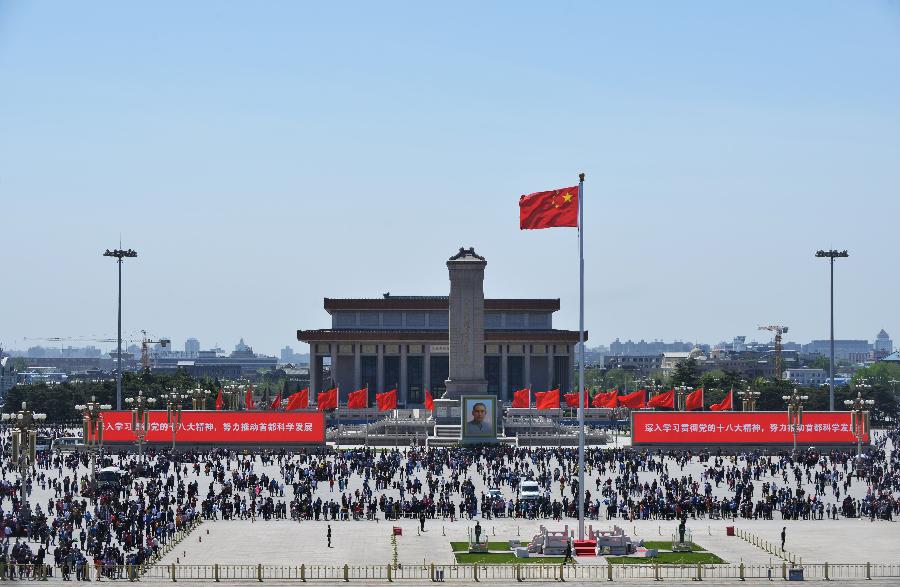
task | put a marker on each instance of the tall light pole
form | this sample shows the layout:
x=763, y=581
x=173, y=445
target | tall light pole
x=832, y=254
x=198, y=397
x=24, y=442
x=860, y=418
x=119, y=254
x=795, y=412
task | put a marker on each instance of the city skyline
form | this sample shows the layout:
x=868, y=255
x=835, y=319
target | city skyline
x=256, y=166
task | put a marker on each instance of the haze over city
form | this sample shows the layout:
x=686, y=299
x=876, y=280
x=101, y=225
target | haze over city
x=258, y=163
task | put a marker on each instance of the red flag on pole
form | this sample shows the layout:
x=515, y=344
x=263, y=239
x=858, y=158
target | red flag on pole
x=694, y=400
x=572, y=399
x=277, y=403
x=429, y=401
x=549, y=209
x=634, y=400
x=726, y=403
x=522, y=398
x=220, y=401
x=358, y=399
x=663, y=400
x=609, y=399
x=387, y=400
x=327, y=400
x=248, y=399
x=298, y=401
x=546, y=400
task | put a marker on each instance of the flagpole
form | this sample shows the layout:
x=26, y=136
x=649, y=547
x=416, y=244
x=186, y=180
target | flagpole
x=581, y=356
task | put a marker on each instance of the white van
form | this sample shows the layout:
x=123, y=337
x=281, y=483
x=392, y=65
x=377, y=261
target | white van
x=530, y=490
x=68, y=443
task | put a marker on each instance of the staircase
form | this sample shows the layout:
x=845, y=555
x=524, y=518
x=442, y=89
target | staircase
x=445, y=435
x=585, y=547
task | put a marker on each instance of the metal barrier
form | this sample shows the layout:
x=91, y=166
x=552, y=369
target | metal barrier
x=215, y=573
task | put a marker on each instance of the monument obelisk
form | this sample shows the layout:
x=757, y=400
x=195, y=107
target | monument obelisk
x=466, y=374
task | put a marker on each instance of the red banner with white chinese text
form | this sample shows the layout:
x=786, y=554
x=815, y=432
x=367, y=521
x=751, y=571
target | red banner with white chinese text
x=211, y=427
x=712, y=428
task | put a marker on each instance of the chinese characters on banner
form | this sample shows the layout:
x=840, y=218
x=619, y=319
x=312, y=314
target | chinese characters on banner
x=208, y=427
x=740, y=428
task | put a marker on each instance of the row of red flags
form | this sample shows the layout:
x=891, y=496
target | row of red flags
x=328, y=400
x=550, y=400
x=544, y=400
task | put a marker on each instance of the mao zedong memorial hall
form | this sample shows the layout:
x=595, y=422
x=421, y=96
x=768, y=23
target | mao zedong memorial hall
x=452, y=344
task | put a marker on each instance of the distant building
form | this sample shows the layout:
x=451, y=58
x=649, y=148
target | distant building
x=7, y=375
x=211, y=363
x=854, y=351
x=806, y=377
x=893, y=357
x=883, y=345
x=642, y=365
x=642, y=347
x=191, y=347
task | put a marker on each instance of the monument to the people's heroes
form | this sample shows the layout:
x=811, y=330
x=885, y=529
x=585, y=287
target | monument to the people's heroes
x=466, y=334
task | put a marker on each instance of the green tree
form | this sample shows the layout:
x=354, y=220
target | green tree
x=686, y=373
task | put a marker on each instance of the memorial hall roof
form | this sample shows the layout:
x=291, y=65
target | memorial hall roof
x=389, y=302
x=329, y=334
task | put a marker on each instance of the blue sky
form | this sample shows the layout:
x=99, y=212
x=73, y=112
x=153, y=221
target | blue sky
x=263, y=156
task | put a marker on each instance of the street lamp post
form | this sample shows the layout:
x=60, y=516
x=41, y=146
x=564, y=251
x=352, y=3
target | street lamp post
x=198, y=397
x=93, y=434
x=173, y=413
x=795, y=412
x=832, y=255
x=748, y=399
x=140, y=418
x=233, y=396
x=859, y=418
x=680, y=393
x=119, y=254
x=24, y=442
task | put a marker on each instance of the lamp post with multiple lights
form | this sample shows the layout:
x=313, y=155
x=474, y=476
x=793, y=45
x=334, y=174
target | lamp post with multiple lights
x=832, y=255
x=140, y=418
x=23, y=449
x=795, y=412
x=859, y=418
x=119, y=254
x=173, y=413
x=198, y=397
x=748, y=399
x=93, y=434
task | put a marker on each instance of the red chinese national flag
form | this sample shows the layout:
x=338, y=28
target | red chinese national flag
x=327, y=400
x=694, y=400
x=248, y=399
x=549, y=209
x=429, y=401
x=635, y=400
x=547, y=400
x=522, y=398
x=220, y=401
x=663, y=400
x=387, y=400
x=725, y=404
x=609, y=399
x=277, y=402
x=358, y=399
x=298, y=401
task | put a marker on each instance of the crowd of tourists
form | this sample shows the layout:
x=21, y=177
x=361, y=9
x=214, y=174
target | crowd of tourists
x=71, y=523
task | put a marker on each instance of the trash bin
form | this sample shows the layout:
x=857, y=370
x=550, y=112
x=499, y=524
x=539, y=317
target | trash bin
x=795, y=574
x=729, y=530
x=398, y=531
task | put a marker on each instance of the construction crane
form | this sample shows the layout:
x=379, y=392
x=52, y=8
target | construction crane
x=145, y=349
x=778, y=330
x=145, y=344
